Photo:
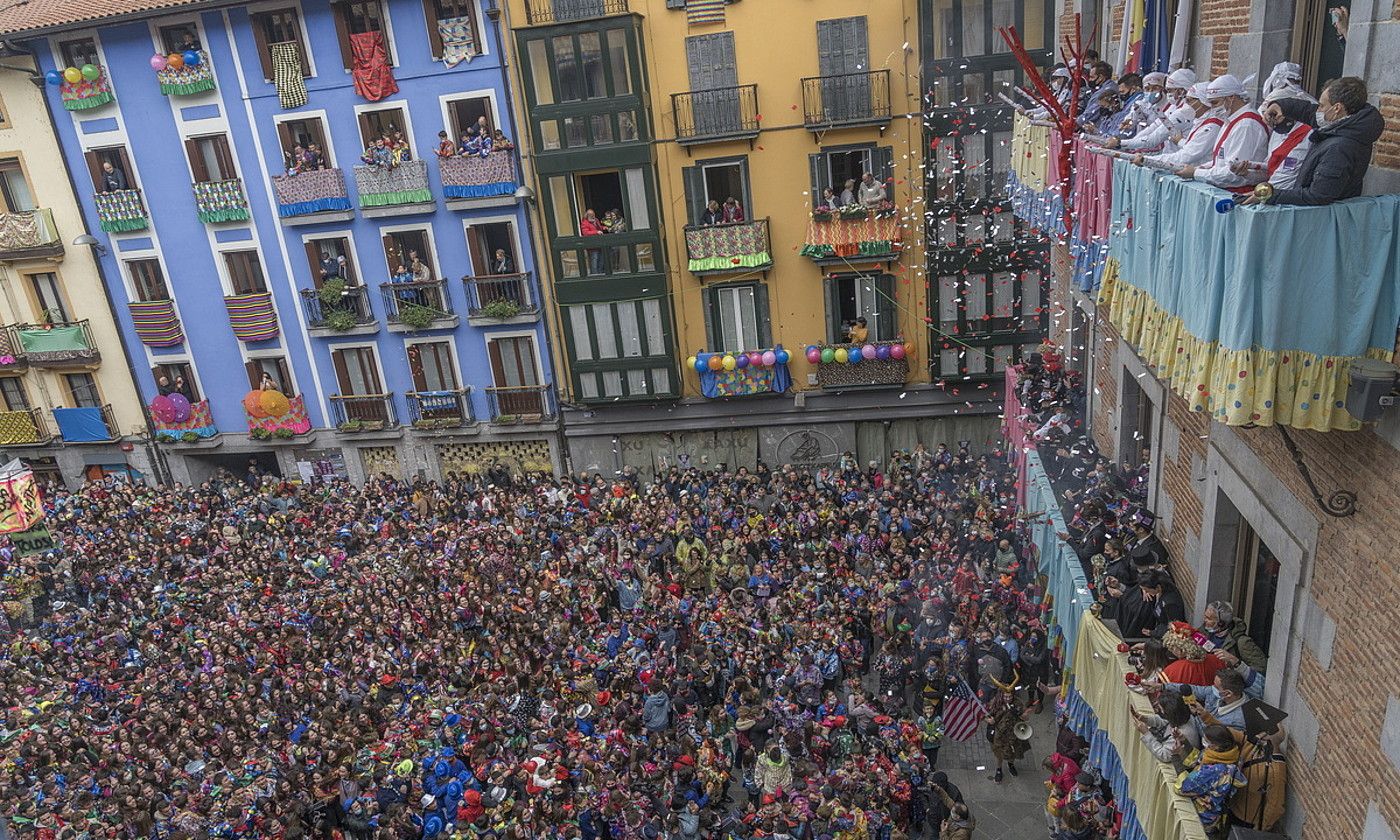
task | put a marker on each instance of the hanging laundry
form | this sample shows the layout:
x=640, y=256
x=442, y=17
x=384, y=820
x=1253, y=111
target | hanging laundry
x=374, y=78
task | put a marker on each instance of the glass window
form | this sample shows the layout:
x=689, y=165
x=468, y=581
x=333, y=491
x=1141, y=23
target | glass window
x=12, y=391
x=588, y=385
x=656, y=336
x=1031, y=315
x=566, y=66
x=974, y=28
x=549, y=135
x=590, y=49
x=603, y=326
x=48, y=298
x=621, y=66
x=612, y=383
x=646, y=257
x=575, y=132
x=637, y=199
x=82, y=388
x=636, y=381
x=147, y=280
x=562, y=205
x=660, y=381
x=578, y=325
x=569, y=263
x=631, y=335
x=14, y=187
x=736, y=323
x=539, y=72
x=602, y=129
x=627, y=126
x=244, y=272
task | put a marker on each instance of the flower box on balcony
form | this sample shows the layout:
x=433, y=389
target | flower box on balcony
x=221, y=201
x=187, y=80
x=121, y=211
x=474, y=176
x=310, y=192
x=83, y=94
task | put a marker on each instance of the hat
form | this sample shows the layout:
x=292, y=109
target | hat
x=427, y=800
x=584, y=710
x=1198, y=92
x=1181, y=78
x=1156, y=78
x=1060, y=73
x=1223, y=86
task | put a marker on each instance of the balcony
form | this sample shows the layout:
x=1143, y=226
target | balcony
x=221, y=201
x=252, y=317
x=474, y=181
x=295, y=423
x=59, y=344
x=521, y=404
x=561, y=11
x=197, y=429
x=312, y=197
x=716, y=115
x=432, y=410
x=495, y=299
x=846, y=100
x=156, y=323
x=857, y=369
x=356, y=413
x=29, y=235
x=841, y=237
x=728, y=249
x=400, y=191
x=24, y=427
x=187, y=80
x=414, y=306
x=338, y=309
x=1254, y=315
x=91, y=424
x=743, y=374
x=121, y=211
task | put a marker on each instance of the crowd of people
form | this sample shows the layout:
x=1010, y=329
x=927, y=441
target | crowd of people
x=1200, y=680
x=869, y=194
x=729, y=653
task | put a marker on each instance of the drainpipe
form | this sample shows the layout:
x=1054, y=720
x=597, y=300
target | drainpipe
x=494, y=10
x=154, y=453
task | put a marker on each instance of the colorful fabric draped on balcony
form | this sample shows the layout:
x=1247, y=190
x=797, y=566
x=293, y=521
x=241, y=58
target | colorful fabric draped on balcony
x=17, y=427
x=314, y=191
x=1033, y=184
x=84, y=94
x=860, y=238
x=120, y=211
x=1252, y=315
x=286, y=74
x=54, y=343
x=472, y=176
x=26, y=229
x=295, y=420
x=200, y=421
x=187, y=80
x=406, y=183
x=1093, y=201
x=374, y=78
x=458, y=40
x=721, y=247
x=156, y=323
x=252, y=317
x=221, y=201
x=82, y=425
x=743, y=382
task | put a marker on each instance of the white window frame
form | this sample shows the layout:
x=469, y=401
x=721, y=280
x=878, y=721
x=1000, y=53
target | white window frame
x=432, y=246
x=737, y=311
x=451, y=341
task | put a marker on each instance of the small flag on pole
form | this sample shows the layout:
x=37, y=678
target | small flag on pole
x=962, y=713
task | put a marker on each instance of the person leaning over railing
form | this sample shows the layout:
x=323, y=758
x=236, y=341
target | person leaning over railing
x=1336, y=164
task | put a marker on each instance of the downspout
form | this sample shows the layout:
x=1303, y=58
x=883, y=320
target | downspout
x=153, y=452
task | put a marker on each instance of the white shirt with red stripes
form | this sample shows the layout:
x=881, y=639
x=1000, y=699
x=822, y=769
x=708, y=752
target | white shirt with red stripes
x=1245, y=137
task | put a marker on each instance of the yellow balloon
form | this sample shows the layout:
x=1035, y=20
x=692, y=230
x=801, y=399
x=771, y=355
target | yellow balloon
x=728, y=362
x=690, y=363
x=842, y=355
x=73, y=75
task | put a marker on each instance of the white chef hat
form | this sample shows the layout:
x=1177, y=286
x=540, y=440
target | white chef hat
x=1155, y=78
x=1181, y=78
x=1223, y=86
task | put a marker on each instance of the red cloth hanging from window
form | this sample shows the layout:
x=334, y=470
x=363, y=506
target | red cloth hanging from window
x=374, y=78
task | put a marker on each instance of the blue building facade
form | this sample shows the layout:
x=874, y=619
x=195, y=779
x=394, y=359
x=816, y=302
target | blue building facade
x=319, y=313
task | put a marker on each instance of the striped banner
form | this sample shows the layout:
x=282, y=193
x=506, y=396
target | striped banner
x=704, y=11
x=156, y=322
x=252, y=317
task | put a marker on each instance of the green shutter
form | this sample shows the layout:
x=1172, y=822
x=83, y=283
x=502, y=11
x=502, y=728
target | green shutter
x=882, y=163
x=694, y=179
x=765, y=332
x=817, y=163
x=833, y=320
x=710, y=305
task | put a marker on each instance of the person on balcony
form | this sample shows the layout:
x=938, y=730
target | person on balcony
x=295, y=160
x=332, y=267
x=848, y=193
x=1174, y=117
x=872, y=192
x=830, y=200
x=1195, y=145
x=1146, y=111
x=113, y=179
x=1336, y=163
x=446, y=148
x=713, y=214
x=500, y=142
x=1244, y=137
x=502, y=263
x=1291, y=121
x=418, y=268
x=590, y=226
x=859, y=333
x=312, y=158
x=1108, y=110
x=733, y=211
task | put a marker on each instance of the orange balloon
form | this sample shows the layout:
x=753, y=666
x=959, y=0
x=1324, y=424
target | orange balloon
x=908, y=351
x=252, y=403
x=175, y=61
x=275, y=403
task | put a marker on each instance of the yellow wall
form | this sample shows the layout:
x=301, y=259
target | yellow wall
x=27, y=134
x=775, y=45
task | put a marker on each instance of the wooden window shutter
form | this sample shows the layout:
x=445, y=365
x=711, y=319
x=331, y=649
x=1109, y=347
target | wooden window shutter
x=254, y=370
x=313, y=259
x=342, y=373
x=694, y=179
x=367, y=132
x=370, y=368
x=817, y=164
x=392, y=257
x=340, y=11
x=885, y=303
x=197, y=167
x=224, y=155
x=760, y=308
x=498, y=372
x=317, y=129
x=419, y=372
x=284, y=136
x=481, y=261
x=259, y=25
x=94, y=164
x=713, y=339
x=284, y=374
x=434, y=36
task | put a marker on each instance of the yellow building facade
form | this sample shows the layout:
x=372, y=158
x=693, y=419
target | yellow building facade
x=61, y=349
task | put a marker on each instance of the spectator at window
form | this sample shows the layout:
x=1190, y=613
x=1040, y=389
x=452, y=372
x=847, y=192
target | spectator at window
x=332, y=267
x=848, y=193
x=418, y=268
x=267, y=383
x=164, y=387
x=113, y=179
x=733, y=211
x=1336, y=163
x=616, y=223
x=296, y=159
x=500, y=142
x=470, y=143
x=183, y=388
x=872, y=192
x=189, y=42
x=446, y=148
x=313, y=158
x=713, y=214
x=860, y=332
x=502, y=263
x=830, y=200
x=590, y=226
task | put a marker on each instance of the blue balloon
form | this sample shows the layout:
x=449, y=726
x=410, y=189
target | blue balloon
x=54, y=77
x=853, y=357
x=191, y=58
x=883, y=352
x=783, y=357
x=702, y=364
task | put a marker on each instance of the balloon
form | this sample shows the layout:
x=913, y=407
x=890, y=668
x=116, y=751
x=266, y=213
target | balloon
x=191, y=58
x=781, y=356
x=275, y=403
x=175, y=61
x=868, y=351
x=690, y=362
x=728, y=362
x=715, y=362
x=841, y=355
x=181, y=407
x=72, y=75
x=770, y=358
x=909, y=349
x=157, y=62
x=701, y=364
x=252, y=403
x=756, y=359
x=883, y=352
x=897, y=352
x=814, y=355
x=90, y=72
x=828, y=355
x=853, y=355
x=54, y=77
x=163, y=410
x=741, y=361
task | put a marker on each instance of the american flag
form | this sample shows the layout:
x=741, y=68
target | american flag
x=962, y=712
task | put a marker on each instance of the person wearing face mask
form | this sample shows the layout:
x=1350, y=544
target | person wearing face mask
x=1174, y=115
x=1291, y=121
x=1195, y=145
x=1144, y=109
x=1244, y=137
x=1336, y=163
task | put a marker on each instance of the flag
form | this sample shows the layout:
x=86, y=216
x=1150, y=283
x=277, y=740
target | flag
x=962, y=712
x=1130, y=37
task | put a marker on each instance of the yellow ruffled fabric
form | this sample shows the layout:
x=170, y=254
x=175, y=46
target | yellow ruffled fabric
x=1030, y=153
x=1236, y=387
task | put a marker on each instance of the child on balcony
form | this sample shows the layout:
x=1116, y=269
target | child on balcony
x=446, y=148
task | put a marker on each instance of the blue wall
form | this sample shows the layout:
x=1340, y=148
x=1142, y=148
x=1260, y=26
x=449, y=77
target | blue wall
x=249, y=105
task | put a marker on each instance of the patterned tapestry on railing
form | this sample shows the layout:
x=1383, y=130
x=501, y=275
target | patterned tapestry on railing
x=728, y=247
x=472, y=176
x=221, y=201
x=313, y=191
x=742, y=382
x=1093, y=198
x=187, y=80
x=120, y=211
x=295, y=420
x=458, y=40
x=1033, y=182
x=883, y=369
x=17, y=427
x=200, y=422
x=156, y=323
x=869, y=237
x=84, y=94
x=286, y=74
x=252, y=317
x=22, y=230
x=406, y=183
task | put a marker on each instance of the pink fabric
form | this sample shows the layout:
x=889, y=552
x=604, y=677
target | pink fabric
x=1093, y=192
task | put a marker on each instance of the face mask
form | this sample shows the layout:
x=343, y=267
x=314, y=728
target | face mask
x=1322, y=119
x=1154, y=97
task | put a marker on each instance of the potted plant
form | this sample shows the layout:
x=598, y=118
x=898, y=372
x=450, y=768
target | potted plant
x=415, y=316
x=284, y=434
x=351, y=425
x=341, y=320
x=189, y=437
x=822, y=214
x=260, y=434
x=501, y=309
x=165, y=437
x=332, y=293
x=505, y=419
x=854, y=211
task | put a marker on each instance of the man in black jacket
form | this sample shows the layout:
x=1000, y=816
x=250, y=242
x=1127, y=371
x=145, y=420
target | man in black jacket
x=1336, y=164
x=1153, y=603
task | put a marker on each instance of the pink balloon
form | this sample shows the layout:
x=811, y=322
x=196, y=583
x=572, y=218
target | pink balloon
x=163, y=409
x=897, y=351
x=867, y=352
x=814, y=355
x=158, y=62
x=181, y=407
x=770, y=358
